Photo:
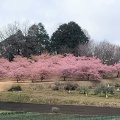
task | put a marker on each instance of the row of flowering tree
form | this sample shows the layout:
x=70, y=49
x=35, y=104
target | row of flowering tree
x=46, y=66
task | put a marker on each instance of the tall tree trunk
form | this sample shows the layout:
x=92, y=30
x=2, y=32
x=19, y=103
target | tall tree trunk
x=42, y=78
x=64, y=78
x=118, y=74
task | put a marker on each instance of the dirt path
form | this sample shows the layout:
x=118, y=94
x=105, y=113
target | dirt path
x=68, y=109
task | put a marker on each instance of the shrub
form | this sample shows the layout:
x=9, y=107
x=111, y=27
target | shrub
x=59, y=86
x=111, y=90
x=65, y=86
x=104, y=89
x=15, y=88
x=71, y=86
x=98, y=90
x=83, y=90
x=55, y=88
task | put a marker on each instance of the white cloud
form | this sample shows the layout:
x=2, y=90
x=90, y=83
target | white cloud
x=99, y=17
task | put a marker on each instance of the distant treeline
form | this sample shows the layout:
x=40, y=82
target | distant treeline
x=27, y=40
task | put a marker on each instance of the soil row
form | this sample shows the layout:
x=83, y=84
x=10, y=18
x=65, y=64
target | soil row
x=66, y=109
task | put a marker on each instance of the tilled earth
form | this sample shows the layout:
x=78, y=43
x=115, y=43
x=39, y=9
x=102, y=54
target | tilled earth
x=66, y=109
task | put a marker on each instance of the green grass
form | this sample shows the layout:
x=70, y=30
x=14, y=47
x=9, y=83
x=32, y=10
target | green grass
x=38, y=116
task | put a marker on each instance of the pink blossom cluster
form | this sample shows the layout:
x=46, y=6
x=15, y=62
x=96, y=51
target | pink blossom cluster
x=42, y=67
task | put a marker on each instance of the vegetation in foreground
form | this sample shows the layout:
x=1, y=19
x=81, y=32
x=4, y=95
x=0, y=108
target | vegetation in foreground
x=38, y=116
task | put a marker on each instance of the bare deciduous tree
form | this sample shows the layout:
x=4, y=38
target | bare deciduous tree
x=107, y=52
x=11, y=29
x=86, y=49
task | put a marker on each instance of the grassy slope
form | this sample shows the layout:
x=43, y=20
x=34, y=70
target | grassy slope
x=42, y=93
x=59, y=97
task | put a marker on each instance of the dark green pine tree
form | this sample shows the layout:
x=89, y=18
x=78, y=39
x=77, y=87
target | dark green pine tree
x=68, y=37
x=43, y=39
x=37, y=41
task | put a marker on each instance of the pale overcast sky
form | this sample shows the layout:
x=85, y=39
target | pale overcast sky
x=101, y=18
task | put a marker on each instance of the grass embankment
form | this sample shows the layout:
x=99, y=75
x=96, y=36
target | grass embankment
x=42, y=93
x=58, y=97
